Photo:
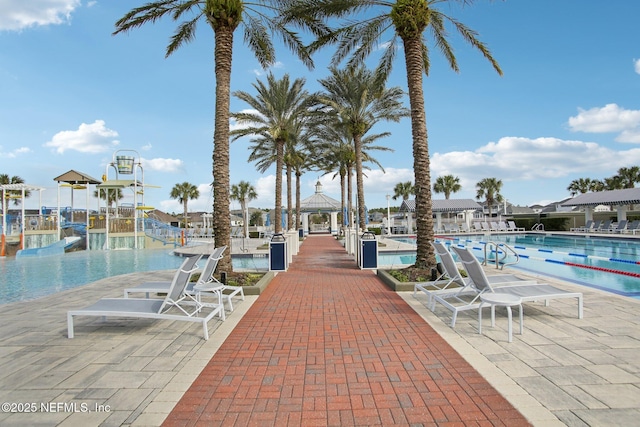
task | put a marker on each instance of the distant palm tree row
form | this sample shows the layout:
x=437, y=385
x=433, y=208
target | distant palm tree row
x=625, y=178
x=487, y=189
x=406, y=20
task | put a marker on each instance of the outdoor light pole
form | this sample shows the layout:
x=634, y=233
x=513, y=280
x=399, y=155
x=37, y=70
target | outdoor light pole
x=388, y=215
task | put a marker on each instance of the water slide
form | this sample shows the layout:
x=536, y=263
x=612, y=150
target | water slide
x=57, y=248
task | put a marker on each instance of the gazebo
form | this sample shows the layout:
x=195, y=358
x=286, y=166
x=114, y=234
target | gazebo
x=320, y=203
x=76, y=181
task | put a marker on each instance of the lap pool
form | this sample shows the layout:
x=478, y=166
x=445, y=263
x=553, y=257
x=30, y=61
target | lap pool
x=27, y=278
x=609, y=264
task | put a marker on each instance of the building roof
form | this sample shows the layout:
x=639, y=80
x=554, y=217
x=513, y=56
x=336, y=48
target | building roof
x=628, y=196
x=320, y=202
x=75, y=177
x=446, y=205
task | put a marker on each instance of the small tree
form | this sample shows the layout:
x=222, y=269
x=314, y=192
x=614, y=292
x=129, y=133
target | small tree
x=183, y=193
x=243, y=192
x=489, y=189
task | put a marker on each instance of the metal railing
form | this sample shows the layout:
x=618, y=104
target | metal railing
x=501, y=252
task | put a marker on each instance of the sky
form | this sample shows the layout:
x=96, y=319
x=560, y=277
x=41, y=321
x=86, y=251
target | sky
x=567, y=107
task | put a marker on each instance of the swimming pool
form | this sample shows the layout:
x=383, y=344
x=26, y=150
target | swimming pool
x=608, y=264
x=27, y=278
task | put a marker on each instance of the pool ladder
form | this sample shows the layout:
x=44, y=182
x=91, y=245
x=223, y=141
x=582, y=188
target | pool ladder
x=538, y=226
x=500, y=251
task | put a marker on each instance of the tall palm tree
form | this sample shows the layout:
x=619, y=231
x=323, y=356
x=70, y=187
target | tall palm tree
x=278, y=104
x=403, y=190
x=447, y=184
x=489, y=189
x=409, y=20
x=334, y=152
x=243, y=192
x=358, y=100
x=224, y=17
x=183, y=193
x=5, y=179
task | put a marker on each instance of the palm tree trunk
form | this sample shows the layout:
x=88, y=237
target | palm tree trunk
x=357, y=145
x=298, y=219
x=186, y=212
x=289, y=198
x=221, y=179
x=279, y=163
x=425, y=258
x=342, y=199
x=349, y=199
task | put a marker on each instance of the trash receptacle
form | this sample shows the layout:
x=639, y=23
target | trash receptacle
x=278, y=253
x=301, y=233
x=368, y=251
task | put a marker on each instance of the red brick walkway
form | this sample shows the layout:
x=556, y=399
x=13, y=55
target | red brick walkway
x=327, y=344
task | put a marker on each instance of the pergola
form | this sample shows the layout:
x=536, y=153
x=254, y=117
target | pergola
x=22, y=188
x=438, y=207
x=621, y=199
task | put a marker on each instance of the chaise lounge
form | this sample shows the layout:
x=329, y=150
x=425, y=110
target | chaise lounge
x=469, y=297
x=177, y=305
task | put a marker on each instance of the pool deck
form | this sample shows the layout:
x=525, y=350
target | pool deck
x=561, y=371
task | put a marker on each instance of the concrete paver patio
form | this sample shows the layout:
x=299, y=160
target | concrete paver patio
x=320, y=356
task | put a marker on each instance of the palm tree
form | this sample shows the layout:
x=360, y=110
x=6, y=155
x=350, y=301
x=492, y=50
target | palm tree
x=357, y=100
x=447, y=184
x=5, y=179
x=224, y=17
x=278, y=104
x=629, y=176
x=404, y=190
x=243, y=192
x=334, y=152
x=489, y=189
x=580, y=185
x=110, y=195
x=409, y=20
x=183, y=193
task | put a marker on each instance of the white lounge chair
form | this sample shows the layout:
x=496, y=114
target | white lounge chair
x=620, y=227
x=206, y=284
x=586, y=227
x=470, y=299
x=177, y=305
x=514, y=227
x=457, y=283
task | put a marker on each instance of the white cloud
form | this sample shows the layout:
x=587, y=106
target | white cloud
x=610, y=118
x=89, y=138
x=518, y=159
x=163, y=165
x=16, y=15
x=636, y=65
x=147, y=147
x=14, y=153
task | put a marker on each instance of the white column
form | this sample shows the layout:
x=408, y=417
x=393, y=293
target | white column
x=305, y=223
x=334, y=223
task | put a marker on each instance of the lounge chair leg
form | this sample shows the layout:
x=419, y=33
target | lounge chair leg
x=69, y=325
x=206, y=330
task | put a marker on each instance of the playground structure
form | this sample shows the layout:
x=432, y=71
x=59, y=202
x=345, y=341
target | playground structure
x=62, y=228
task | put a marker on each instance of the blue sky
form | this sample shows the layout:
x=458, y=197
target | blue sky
x=567, y=107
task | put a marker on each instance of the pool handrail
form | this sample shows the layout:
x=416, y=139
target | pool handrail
x=499, y=264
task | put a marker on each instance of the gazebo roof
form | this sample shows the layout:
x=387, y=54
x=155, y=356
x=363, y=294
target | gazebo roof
x=450, y=205
x=320, y=201
x=75, y=177
x=627, y=196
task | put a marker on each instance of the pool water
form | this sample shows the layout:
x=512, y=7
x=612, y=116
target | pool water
x=34, y=277
x=612, y=265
